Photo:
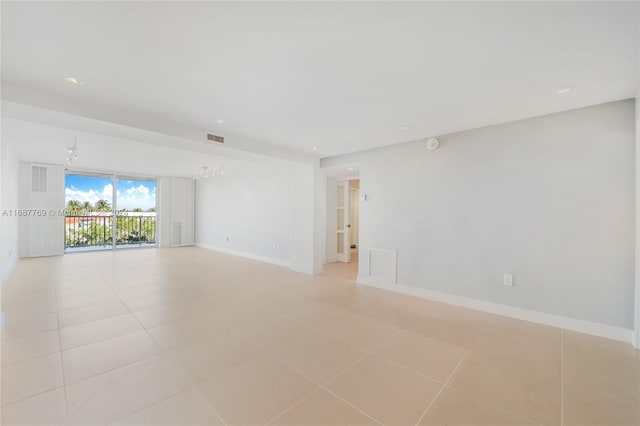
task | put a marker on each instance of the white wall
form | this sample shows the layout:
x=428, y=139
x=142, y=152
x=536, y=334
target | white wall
x=176, y=202
x=319, y=221
x=248, y=211
x=637, y=307
x=260, y=210
x=548, y=199
x=354, y=211
x=9, y=200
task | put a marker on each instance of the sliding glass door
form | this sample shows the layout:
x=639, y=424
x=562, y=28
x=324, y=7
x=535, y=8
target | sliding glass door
x=105, y=212
x=88, y=222
x=136, y=212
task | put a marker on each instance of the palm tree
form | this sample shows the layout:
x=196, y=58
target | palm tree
x=87, y=207
x=73, y=207
x=103, y=206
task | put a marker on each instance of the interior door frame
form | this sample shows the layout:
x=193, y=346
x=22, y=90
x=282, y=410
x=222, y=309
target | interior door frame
x=344, y=257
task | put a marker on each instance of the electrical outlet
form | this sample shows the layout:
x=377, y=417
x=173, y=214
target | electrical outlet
x=508, y=280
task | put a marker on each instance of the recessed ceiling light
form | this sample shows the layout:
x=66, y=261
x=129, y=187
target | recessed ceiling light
x=73, y=80
x=405, y=127
x=315, y=148
x=563, y=90
x=221, y=122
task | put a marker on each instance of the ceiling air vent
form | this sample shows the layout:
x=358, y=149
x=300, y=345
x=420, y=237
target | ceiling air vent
x=215, y=138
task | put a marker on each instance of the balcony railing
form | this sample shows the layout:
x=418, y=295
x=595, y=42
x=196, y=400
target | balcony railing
x=96, y=231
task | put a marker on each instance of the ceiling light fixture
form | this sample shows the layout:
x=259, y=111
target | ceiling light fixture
x=351, y=169
x=72, y=152
x=315, y=148
x=564, y=90
x=206, y=172
x=404, y=127
x=221, y=122
x=73, y=80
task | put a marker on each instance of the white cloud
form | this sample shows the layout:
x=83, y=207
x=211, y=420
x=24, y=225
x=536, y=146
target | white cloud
x=137, y=196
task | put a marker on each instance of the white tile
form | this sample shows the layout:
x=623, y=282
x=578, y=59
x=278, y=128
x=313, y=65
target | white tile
x=29, y=378
x=29, y=347
x=41, y=410
x=107, y=397
x=16, y=325
x=95, y=358
x=91, y=313
x=95, y=331
x=185, y=408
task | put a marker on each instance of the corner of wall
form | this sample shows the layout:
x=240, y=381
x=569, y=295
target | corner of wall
x=9, y=224
x=636, y=334
x=8, y=268
x=252, y=256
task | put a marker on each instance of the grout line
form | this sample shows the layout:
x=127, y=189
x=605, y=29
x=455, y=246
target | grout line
x=442, y=388
x=298, y=402
x=319, y=387
x=168, y=357
x=352, y=406
x=64, y=384
x=33, y=357
x=367, y=353
x=409, y=369
x=166, y=399
x=95, y=320
x=33, y=396
x=322, y=386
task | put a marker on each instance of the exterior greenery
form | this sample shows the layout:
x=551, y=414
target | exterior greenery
x=89, y=225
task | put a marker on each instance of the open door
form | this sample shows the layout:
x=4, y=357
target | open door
x=343, y=248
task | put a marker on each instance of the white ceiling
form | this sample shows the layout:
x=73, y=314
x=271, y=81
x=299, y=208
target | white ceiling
x=341, y=76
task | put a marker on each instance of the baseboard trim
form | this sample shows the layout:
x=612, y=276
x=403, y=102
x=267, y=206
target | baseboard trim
x=567, y=323
x=251, y=256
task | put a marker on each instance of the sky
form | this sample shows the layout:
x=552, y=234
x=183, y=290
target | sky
x=131, y=193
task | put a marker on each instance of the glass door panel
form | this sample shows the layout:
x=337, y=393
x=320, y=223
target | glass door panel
x=342, y=221
x=136, y=212
x=88, y=222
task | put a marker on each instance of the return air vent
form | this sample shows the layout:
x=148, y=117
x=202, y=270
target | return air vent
x=38, y=179
x=215, y=138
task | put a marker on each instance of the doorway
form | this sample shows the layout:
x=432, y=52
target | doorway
x=343, y=234
x=107, y=212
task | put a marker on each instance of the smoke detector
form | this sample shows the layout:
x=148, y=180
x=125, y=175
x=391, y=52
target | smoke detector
x=433, y=144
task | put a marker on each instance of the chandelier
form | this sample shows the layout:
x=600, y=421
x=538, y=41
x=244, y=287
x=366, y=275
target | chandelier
x=206, y=172
x=72, y=152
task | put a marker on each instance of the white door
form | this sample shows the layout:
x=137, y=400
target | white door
x=46, y=197
x=343, y=222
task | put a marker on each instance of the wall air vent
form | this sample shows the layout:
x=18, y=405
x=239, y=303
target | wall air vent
x=215, y=138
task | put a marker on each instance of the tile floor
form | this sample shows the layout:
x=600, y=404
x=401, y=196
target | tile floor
x=193, y=337
x=347, y=271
